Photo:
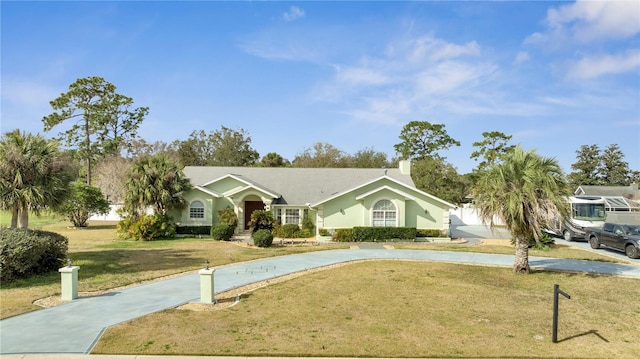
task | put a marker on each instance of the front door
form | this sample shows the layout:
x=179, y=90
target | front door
x=249, y=207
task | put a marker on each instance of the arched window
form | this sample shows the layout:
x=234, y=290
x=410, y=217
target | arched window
x=196, y=210
x=384, y=214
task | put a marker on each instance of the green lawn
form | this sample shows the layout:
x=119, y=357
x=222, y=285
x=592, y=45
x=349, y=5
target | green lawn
x=365, y=309
x=106, y=262
x=402, y=309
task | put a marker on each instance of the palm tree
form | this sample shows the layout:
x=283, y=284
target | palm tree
x=527, y=192
x=32, y=175
x=154, y=181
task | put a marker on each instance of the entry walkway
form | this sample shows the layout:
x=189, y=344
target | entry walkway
x=75, y=327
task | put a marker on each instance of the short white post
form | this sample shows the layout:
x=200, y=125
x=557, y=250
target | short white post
x=206, y=285
x=69, y=279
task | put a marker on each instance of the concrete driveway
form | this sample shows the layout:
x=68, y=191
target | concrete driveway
x=584, y=245
x=478, y=232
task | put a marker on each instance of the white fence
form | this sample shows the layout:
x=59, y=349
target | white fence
x=111, y=216
x=468, y=216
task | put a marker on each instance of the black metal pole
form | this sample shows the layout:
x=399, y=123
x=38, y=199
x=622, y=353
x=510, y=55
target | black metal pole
x=555, y=313
x=556, y=292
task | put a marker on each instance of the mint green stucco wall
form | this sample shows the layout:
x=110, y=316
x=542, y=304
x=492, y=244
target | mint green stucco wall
x=189, y=197
x=421, y=212
x=226, y=185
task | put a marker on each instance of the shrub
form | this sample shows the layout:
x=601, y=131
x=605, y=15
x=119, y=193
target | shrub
x=367, y=234
x=324, y=232
x=305, y=233
x=307, y=223
x=288, y=231
x=261, y=219
x=545, y=242
x=429, y=233
x=343, y=235
x=222, y=232
x=25, y=252
x=206, y=230
x=262, y=238
x=147, y=227
x=228, y=216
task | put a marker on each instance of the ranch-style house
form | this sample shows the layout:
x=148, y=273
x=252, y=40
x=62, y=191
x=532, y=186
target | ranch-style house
x=331, y=197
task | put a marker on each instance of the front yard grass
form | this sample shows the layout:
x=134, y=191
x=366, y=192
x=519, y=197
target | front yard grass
x=106, y=262
x=402, y=309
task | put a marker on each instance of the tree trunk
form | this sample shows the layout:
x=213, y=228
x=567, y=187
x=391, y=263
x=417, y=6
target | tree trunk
x=24, y=217
x=88, y=144
x=14, y=217
x=521, y=262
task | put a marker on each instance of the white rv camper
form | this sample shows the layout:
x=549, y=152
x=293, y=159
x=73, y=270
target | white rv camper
x=586, y=211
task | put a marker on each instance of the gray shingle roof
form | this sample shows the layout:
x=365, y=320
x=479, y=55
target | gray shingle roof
x=626, y=191
x=297, y=186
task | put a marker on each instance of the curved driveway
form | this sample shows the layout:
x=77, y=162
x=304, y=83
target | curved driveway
x=76, y=326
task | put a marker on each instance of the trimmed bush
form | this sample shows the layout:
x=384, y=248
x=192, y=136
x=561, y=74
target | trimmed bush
x=343, y=235
x=263, y=238
x=430, y=233
x=324, y=232
x=24, y=252
x=305, y=233
x=288, y=231
x=222, y=232
x=369, y=234
x=147, y=227
x=206, y=230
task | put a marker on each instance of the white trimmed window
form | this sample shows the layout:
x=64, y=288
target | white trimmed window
x=384, y=214
x=291, y=216
x=196, y=210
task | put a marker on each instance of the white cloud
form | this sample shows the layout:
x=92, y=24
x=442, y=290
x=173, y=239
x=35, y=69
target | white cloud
x=594, y=20
x=450, y=76
x=598, y=65
x=414, y=77
x=294, y=13
x=430, y=48
x=28, y=94
x=521, y=57
x=360, y=76
x=588, y=21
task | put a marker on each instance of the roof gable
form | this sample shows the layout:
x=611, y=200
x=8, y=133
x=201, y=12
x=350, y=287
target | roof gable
x=247, y=183
x=386, y=188
x=385, y=177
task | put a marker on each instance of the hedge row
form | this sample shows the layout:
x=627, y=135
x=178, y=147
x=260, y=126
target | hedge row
x=24, y=252
x=431, y=233
x=204, y=230
x=292, y=231
x=373, y=234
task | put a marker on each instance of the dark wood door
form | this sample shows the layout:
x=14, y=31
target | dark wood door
x=249, y=207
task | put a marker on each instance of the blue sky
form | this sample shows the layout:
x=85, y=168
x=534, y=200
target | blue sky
x=555, y=75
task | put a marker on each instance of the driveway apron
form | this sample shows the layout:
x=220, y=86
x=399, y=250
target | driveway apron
x=76, y=326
